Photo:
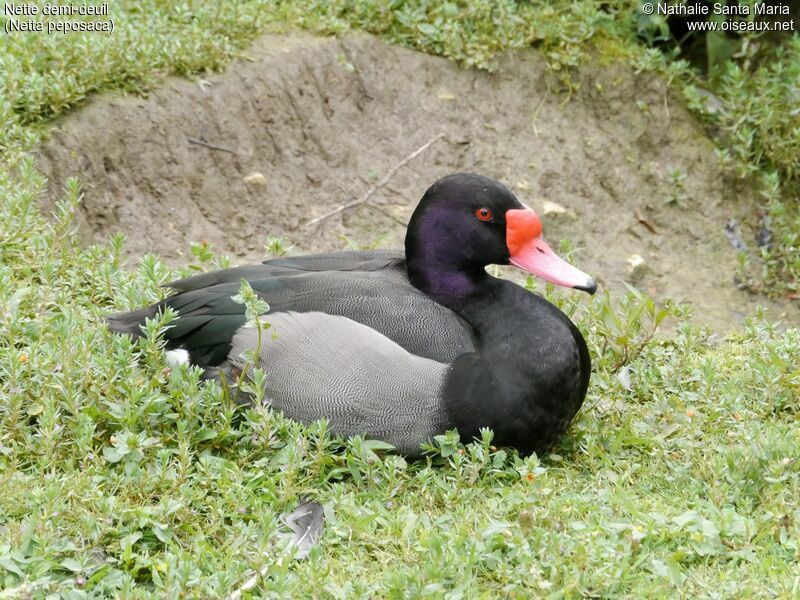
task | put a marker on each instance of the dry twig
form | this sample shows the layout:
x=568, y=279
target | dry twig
x=371, y=192
x=643, y=220
x=207, y=145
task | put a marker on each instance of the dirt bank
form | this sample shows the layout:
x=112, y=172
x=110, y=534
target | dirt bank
x=323, y=119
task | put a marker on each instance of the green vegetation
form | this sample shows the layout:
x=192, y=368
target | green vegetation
x=121, y=476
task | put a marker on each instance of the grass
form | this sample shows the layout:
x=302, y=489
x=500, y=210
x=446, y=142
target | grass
x=123, y=477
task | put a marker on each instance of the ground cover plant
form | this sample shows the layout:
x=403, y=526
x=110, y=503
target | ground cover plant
x=123, y=477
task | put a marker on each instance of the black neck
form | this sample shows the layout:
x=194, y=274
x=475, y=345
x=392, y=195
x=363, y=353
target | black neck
x=530, y=370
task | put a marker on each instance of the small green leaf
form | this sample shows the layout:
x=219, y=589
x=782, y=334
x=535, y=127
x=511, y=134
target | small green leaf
x=70, y=564
x=9, y=565
x=112, y=455
x=204, y=435
x=162, y=532
x=377, y=445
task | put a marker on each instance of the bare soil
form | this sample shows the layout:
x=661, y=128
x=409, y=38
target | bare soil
x=322, y=119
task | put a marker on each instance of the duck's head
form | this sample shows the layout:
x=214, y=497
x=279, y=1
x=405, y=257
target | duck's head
x=465, y=222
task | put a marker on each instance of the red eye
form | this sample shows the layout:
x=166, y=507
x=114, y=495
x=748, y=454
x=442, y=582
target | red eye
x=483, y=214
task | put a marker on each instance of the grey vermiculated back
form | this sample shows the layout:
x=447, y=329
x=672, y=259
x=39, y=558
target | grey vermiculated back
x=358, y=260
x=370, y=287
x=323, y=366
x=358, y=285
x=398, y=311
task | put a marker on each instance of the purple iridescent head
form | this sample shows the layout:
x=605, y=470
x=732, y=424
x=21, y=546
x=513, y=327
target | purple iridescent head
x=465, y=222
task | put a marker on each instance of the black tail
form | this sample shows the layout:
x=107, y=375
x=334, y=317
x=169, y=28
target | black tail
x=206, y=335
x=130, y=323
x=208, y=317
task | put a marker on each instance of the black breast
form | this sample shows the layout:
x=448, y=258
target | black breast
x=529, y=376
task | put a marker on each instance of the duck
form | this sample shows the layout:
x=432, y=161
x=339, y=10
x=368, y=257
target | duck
x=402, y=346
